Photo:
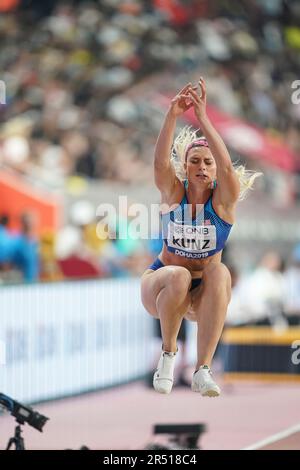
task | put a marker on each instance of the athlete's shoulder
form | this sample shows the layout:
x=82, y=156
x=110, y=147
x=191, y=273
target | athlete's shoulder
x=176, y=196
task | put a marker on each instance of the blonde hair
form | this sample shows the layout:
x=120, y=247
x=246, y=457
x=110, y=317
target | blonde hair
x=185, y=138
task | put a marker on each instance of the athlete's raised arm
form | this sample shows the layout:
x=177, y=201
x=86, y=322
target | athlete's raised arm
x=164, y=173
x=228, y=189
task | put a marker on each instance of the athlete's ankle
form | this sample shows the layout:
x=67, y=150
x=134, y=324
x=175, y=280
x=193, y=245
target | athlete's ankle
x=170, y=348
x=202, y=365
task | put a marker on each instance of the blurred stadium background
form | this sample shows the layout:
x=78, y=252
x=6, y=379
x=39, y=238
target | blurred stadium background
x=84, y=85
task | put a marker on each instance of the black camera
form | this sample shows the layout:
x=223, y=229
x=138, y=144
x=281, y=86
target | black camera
x=23, y=414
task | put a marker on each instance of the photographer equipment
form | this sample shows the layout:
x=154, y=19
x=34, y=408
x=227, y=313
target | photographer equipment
x=23, y=414
x=183, y=436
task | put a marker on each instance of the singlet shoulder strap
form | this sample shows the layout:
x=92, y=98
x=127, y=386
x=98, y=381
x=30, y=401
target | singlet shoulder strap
x=184, y=199
x=209, y=203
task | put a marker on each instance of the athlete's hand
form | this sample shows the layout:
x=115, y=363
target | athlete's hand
x=199, y=101
x=182, y=101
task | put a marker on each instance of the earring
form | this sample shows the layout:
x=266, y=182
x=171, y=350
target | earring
x=214, y=184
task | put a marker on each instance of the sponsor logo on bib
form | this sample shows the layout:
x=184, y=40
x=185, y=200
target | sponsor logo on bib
x=197, y=239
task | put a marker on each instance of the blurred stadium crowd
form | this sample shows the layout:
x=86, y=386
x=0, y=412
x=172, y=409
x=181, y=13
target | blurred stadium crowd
x=67, y=74
x=76, y=109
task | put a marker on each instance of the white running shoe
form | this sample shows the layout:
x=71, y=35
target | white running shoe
x=163, y=376
x=203, y=382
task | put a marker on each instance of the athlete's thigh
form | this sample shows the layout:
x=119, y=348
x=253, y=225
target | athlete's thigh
x=152, y=282
x=212, y=274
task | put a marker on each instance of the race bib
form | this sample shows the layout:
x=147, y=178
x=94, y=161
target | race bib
x=191, y=238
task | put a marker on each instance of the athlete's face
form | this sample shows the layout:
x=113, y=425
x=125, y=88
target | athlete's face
x=200, y=166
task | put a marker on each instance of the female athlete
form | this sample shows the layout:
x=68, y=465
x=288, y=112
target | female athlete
x=200, y=186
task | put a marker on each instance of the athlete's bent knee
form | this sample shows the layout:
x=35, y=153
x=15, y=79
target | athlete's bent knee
x=216, y=272
x=180, y=279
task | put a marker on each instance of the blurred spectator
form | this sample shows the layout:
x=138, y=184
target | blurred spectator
x=20, y=250
x=26, y=256
x=76, y=250
x=7, y=5
x=292, y=289
x=49, y=266
x=257, y=298
x=6, y=245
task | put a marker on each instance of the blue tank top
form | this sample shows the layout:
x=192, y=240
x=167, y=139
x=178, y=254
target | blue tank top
x=194, y=238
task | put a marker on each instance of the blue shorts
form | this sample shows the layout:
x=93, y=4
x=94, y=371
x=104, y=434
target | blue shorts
x=158, y=264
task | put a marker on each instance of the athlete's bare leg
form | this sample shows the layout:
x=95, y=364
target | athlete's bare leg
x=165, y=294
x=209, y=306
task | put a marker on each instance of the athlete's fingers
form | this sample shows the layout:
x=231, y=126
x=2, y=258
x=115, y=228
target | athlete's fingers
x=185, y=88
x=203, y=87
x=176, y=98
x=194, y=101
x=189, y=86
x=195, y=95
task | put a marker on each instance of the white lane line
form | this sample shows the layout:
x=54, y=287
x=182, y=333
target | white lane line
x=276, y=437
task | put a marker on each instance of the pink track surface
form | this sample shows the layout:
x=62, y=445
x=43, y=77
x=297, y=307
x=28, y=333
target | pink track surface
x=122, y=418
